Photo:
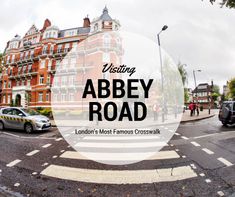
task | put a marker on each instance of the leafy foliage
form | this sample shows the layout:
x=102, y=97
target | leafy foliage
x=227, y=3
x=231, y=86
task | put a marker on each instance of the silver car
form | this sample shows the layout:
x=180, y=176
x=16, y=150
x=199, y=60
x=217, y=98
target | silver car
x=23, y=119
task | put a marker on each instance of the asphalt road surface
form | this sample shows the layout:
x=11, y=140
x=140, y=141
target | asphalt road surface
x=198, y=161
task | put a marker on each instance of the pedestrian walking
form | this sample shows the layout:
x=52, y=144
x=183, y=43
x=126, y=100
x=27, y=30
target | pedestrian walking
x=156, y=109
x=197, y=109
x=191, y=109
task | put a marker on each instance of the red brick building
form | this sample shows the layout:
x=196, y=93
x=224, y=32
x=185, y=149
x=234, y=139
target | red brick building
x=203, y=94
x=30, y=62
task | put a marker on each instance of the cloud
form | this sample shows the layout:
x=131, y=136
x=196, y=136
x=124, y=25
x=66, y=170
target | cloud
x=199, y=34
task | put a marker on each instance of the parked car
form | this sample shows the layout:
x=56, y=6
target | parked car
x=23, y=119
x=227, y=112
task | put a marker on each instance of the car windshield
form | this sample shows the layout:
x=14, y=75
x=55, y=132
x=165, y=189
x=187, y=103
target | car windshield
x=30, y=112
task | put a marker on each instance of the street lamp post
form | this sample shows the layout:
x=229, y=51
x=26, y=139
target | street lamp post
x=160, y=57
x=195, y=82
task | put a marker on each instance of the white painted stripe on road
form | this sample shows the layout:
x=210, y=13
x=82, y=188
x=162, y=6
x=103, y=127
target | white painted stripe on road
x=117, y=156
x=46, y=146
x=13, y=163
x=177, y=133
x=16, y=184
x=32, y=153
x=120, y=145
x=208, y=151
x=119, y=176
x=183, y=137
x=224, y=161
x=220, y=193
x=195, y=144
x=120, y=138
x=59, y=139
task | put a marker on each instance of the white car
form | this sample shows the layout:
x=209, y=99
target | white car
x=23, y=119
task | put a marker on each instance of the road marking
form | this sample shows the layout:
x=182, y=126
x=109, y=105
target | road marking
x=117, y=156
x=32, y=153
x=45, y=164
x=220, y=193
x=177, y=133
x=62, y=151
x=16, y=185
x=202, y=174
x=34, y=173
x=183, y=156
x=193, y=166
x=208, y=151
x=46, y=146
x=119, y=176
x=120, y=145
x=183, y=137
x=55, y=156
x=195, y=144
x=59, y=139
x=224, y=161
x=208, y=181
x=202, y=136
x=13, y=163
x=120, y=138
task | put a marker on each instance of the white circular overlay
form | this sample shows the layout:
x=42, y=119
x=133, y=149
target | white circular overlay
x=112, y=99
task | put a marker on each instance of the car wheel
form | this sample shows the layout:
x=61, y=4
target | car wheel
x=28, y=128
x=1, y=125
x=224, y=123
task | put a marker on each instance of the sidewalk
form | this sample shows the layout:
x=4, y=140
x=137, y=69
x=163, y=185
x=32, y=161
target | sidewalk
x=202, y=115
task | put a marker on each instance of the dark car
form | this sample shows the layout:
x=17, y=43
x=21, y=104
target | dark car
x=227, y=112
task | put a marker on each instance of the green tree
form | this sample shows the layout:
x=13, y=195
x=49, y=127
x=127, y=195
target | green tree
x=227, y=3
x=231, y=86
x=183, y=73
x=184, y=77
x=216, y=89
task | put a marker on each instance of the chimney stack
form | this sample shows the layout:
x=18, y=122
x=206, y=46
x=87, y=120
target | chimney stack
x=47, y=23
x=86, y=22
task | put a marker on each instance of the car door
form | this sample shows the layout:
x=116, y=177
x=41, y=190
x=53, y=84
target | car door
x=7, y=118
x=18, y=119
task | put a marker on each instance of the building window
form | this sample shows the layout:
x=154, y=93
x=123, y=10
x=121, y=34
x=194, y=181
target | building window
x=4, y=84
x=30, y=68
x=59, y=48
x=41, y=79
x=13, y=58
x=28, y=82
x=40, y=97
x=9, y=84
x=47, y=97
x=66, y=49
x=51, y=49
x=96, y=27
x=48, y=80
x=42, y=64
x=44, y=51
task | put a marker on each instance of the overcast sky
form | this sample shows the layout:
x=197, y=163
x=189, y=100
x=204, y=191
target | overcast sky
x=199, y=34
